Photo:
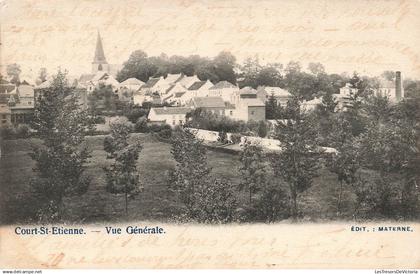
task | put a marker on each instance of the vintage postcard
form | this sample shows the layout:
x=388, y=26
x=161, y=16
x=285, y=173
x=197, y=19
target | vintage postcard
x=199, y=134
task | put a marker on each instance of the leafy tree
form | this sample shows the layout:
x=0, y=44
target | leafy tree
x=215, y=201
x=297, y=162
x=103, y=99
x=346, y=162
x=122, y=176
x=137, y=66
x=253, y=168
x=13, y=71
x=191, y=167
x=224, y=64
x=60, y=162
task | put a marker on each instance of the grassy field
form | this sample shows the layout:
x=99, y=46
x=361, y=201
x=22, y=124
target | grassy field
x=155, y=203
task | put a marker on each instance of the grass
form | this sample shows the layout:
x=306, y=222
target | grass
x=156, y=203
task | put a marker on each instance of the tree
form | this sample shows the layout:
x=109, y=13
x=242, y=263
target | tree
x=138, y=66
x=13, y=71
x=122, y=176
x=190, y=170
x=297, y=162
x=215, y=201
x=60, y=162
x=346, y=162
x=271, y=107
x=262, y=129
x=224, y=64
x=253, y=168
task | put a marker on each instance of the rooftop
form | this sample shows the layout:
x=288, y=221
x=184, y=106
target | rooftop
x=132, y=81
x=197, y=85
x=151, y=83
x=208, y=102
x=170, y=110
x=25, y=91
x=223, y=84
x=276, y=91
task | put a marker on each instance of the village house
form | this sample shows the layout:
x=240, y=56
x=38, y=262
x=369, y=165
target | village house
x=188, y=81
x=281, y=96
x=394, y=90
x=173, y=78
x=132, y=84
x=343, y=98
x=174, y=93
x=198, y=89
x=173, y=116
x=223, y=89
x=311, y=104
x=215, y=105
x=155, y=86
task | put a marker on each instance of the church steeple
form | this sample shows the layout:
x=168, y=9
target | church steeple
x=99, y=52
x=99, y=63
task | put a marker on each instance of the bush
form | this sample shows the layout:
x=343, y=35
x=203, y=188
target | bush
x=236, y=138
x=165, y=133
x=222, y=137
x=141, y=125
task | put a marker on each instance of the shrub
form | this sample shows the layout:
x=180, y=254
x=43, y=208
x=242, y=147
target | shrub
x=236, y=138
x=141, y=125
x=165, y=133
x=222, y=137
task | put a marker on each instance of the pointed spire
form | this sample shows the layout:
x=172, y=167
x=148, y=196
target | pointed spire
x=99, y=52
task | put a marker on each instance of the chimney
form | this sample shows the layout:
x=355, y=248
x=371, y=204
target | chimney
x=398, y=85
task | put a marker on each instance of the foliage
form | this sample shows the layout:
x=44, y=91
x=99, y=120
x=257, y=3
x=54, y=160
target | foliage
x=297, y=162
x=141, y=125
x=61, y=160
x=122, y=176
x=215, y=201
x=235, y=138
x=142, y=67
x=103, y=99
x=253, y=168
x=222, y=138
x=13, y=71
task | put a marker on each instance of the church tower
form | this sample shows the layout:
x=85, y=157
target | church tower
x=99, y=61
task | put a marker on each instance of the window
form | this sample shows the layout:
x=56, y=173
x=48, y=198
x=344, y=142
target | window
x=252, y=112
x=231, y=113
x=173, y=122
x=180, y=122
x=100, y=67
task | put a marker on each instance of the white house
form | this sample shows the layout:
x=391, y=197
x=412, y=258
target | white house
x=173, y=78
x=282, y=96
x=223, y=89
x=173, y=116
x=311, y=104
x=155, y=85
x=174, y=93
x=188, y=81
x=132, y=84
x=394, y=90
x=198, y=89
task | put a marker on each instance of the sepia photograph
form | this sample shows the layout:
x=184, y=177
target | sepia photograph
x=152, y=121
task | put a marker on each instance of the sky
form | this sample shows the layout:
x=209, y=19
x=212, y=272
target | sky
x=345, y=36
